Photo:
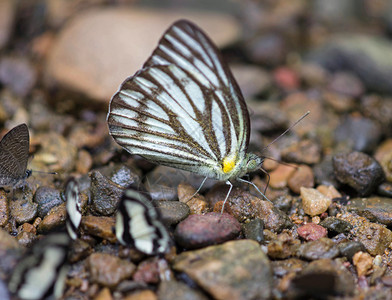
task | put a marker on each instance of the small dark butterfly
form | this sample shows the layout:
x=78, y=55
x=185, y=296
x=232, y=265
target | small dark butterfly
x=139, y=225
x=14, y=155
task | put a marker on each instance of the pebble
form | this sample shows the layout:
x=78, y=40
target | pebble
x=26, y=239
x=302, y=177
x=172, y=212
x=280, y=176
x=23, y=211
x=348, y=249
x=108, y=270
x=72, y=64
x=79, y=250
x=174, y=289
x=213, y=269
x=198, y=231
x=196, y=202
x=84, y=162
x=253, y=230
x=324, y=172
x=340, y=103
x=124, y=177
x=4, y=208
x=141, y=295
x=105, y=194
x=329, y=191
x=336, y=225
x=313, y=202
x=291, y=265
x=303, y=152
x=283, y=246
x=54, y=219
x=384, y=156
x=375, y=237
x=378, y=107
x=363, y=263
x=103, y=294
x=321, y=248
x=346, y=84
x=86, y=135
x=385, y=189
x=267, y=116
x=7, y=16
x=101, y=227
x=358, y=134
x=375, y=209
x=358, y=170
x=18, y=74
x=46, y=198
x=286, y=78
x=311, y=232
x=252, y=79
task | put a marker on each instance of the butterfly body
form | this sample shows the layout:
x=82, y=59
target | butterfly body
x=184, y=109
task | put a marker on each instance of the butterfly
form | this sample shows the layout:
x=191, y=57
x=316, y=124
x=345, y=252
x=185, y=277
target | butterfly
x=42, y=271
x=14, y=155
x=74, y=208
x=138, y=223
x=185, y=110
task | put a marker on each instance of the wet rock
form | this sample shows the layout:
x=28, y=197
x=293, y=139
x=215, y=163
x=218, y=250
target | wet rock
x=234, y=270
x=375, y=209
x=375, y=237
x=365, y=56
x=314, y=202
x=302, y=177
x=251, y=79
x=324, y=173
x=283, y=246
x=108, y=270
x=385, y=189
x=105, y=194
x=23, y=211
x=79, y=250
x=303, y=152
x=172, y=212
x=358, y=170
x=311, y=232
x=124, y=177
x=322, y=248
x=287, y=266
x=336, y=225
x=196, y=202
x=198, y=231
x=358, y=134
x=71, y=60
x=54, y=219
x=101, y=227
x=46, y=198
x=322, y=278
x=254, y=230
x=377, y=107
x=4, y=208
x=384, y=157
x=348, y=249
x=363, y=263
x=174, y=289
x=17, y=74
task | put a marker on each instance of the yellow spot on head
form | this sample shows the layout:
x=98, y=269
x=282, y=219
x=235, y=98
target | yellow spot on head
x=228, y=163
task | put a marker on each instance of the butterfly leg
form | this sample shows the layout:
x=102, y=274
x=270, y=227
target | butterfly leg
x=257, y=189
x=198, y=190
x=227, y=196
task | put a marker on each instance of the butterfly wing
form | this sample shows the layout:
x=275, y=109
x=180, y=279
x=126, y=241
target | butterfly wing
x=184, y=108
x=73, y=205
x=14, y=155
x=138, y=224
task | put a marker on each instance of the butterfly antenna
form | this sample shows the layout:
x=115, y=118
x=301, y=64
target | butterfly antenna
x=42, y=172
x=280, y=162
x=287, y=130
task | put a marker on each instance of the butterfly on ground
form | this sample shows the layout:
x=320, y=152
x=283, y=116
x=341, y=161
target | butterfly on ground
x=185, y=110
x=42, y=271
x=139, y=225
x=74, y=207
x=14, y=155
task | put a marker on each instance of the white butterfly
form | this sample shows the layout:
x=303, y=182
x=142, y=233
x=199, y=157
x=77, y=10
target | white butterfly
x=185, y=110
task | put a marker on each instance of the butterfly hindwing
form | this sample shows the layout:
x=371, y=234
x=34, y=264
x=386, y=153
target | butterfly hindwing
x=138, y=224
x=73, y=206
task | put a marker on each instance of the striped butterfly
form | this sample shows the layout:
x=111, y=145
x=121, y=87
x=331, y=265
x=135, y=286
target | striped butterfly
x=74, y=208
x=138, y=223
x=185, y=110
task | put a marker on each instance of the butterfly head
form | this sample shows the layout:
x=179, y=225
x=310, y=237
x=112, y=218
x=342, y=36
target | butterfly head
x=253, y=162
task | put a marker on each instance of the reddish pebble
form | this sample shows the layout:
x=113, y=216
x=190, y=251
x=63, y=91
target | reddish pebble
x=311, y=232
x=286, y=78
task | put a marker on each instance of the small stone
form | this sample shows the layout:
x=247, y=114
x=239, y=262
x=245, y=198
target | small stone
x=324, y=172
x=174, y=289
x=336, y=225
x=346, y=84
x=303, y=152
x=385, y=189
x=313, y=202
x=253, y=230
x=283, y=246
x=54, y=219
x=142, y=295
x=84, y=162
x=4, y=208
x=358, y=170
x=197, y=203
x=104, y=294
x=321, y=248
x=329, y=191
x=105, y=194
x=384, y=157
x=147, y=271
x=79, y=250
x=26, y=239
x=363, y=262
x=348, y=249
x=46, y=198
x=24, y=211
x=302, y=177
x=124, y=177
x=234, y=270
x=108, y=270
x=280, y=176
x=286, y=78
x=101, y=227
x=172, y=212
x=375, y=209
x=340, y=103
x=198, y=231
x=311, y=232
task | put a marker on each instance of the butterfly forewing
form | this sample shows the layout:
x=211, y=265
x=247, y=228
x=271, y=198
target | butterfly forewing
x=14, y=154
x=184, y=108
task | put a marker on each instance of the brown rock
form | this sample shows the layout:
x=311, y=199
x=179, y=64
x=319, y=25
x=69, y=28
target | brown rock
x=313, y=202
x=142, y=295
x=280, y=176
x=363, y=262
x=99, y=226
x=104, y=294
x=329, y=191
x=312, y=232
x=84, y=162
x=115, y=33
x=54, y=219
x=303, y=176
x=197, y=203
